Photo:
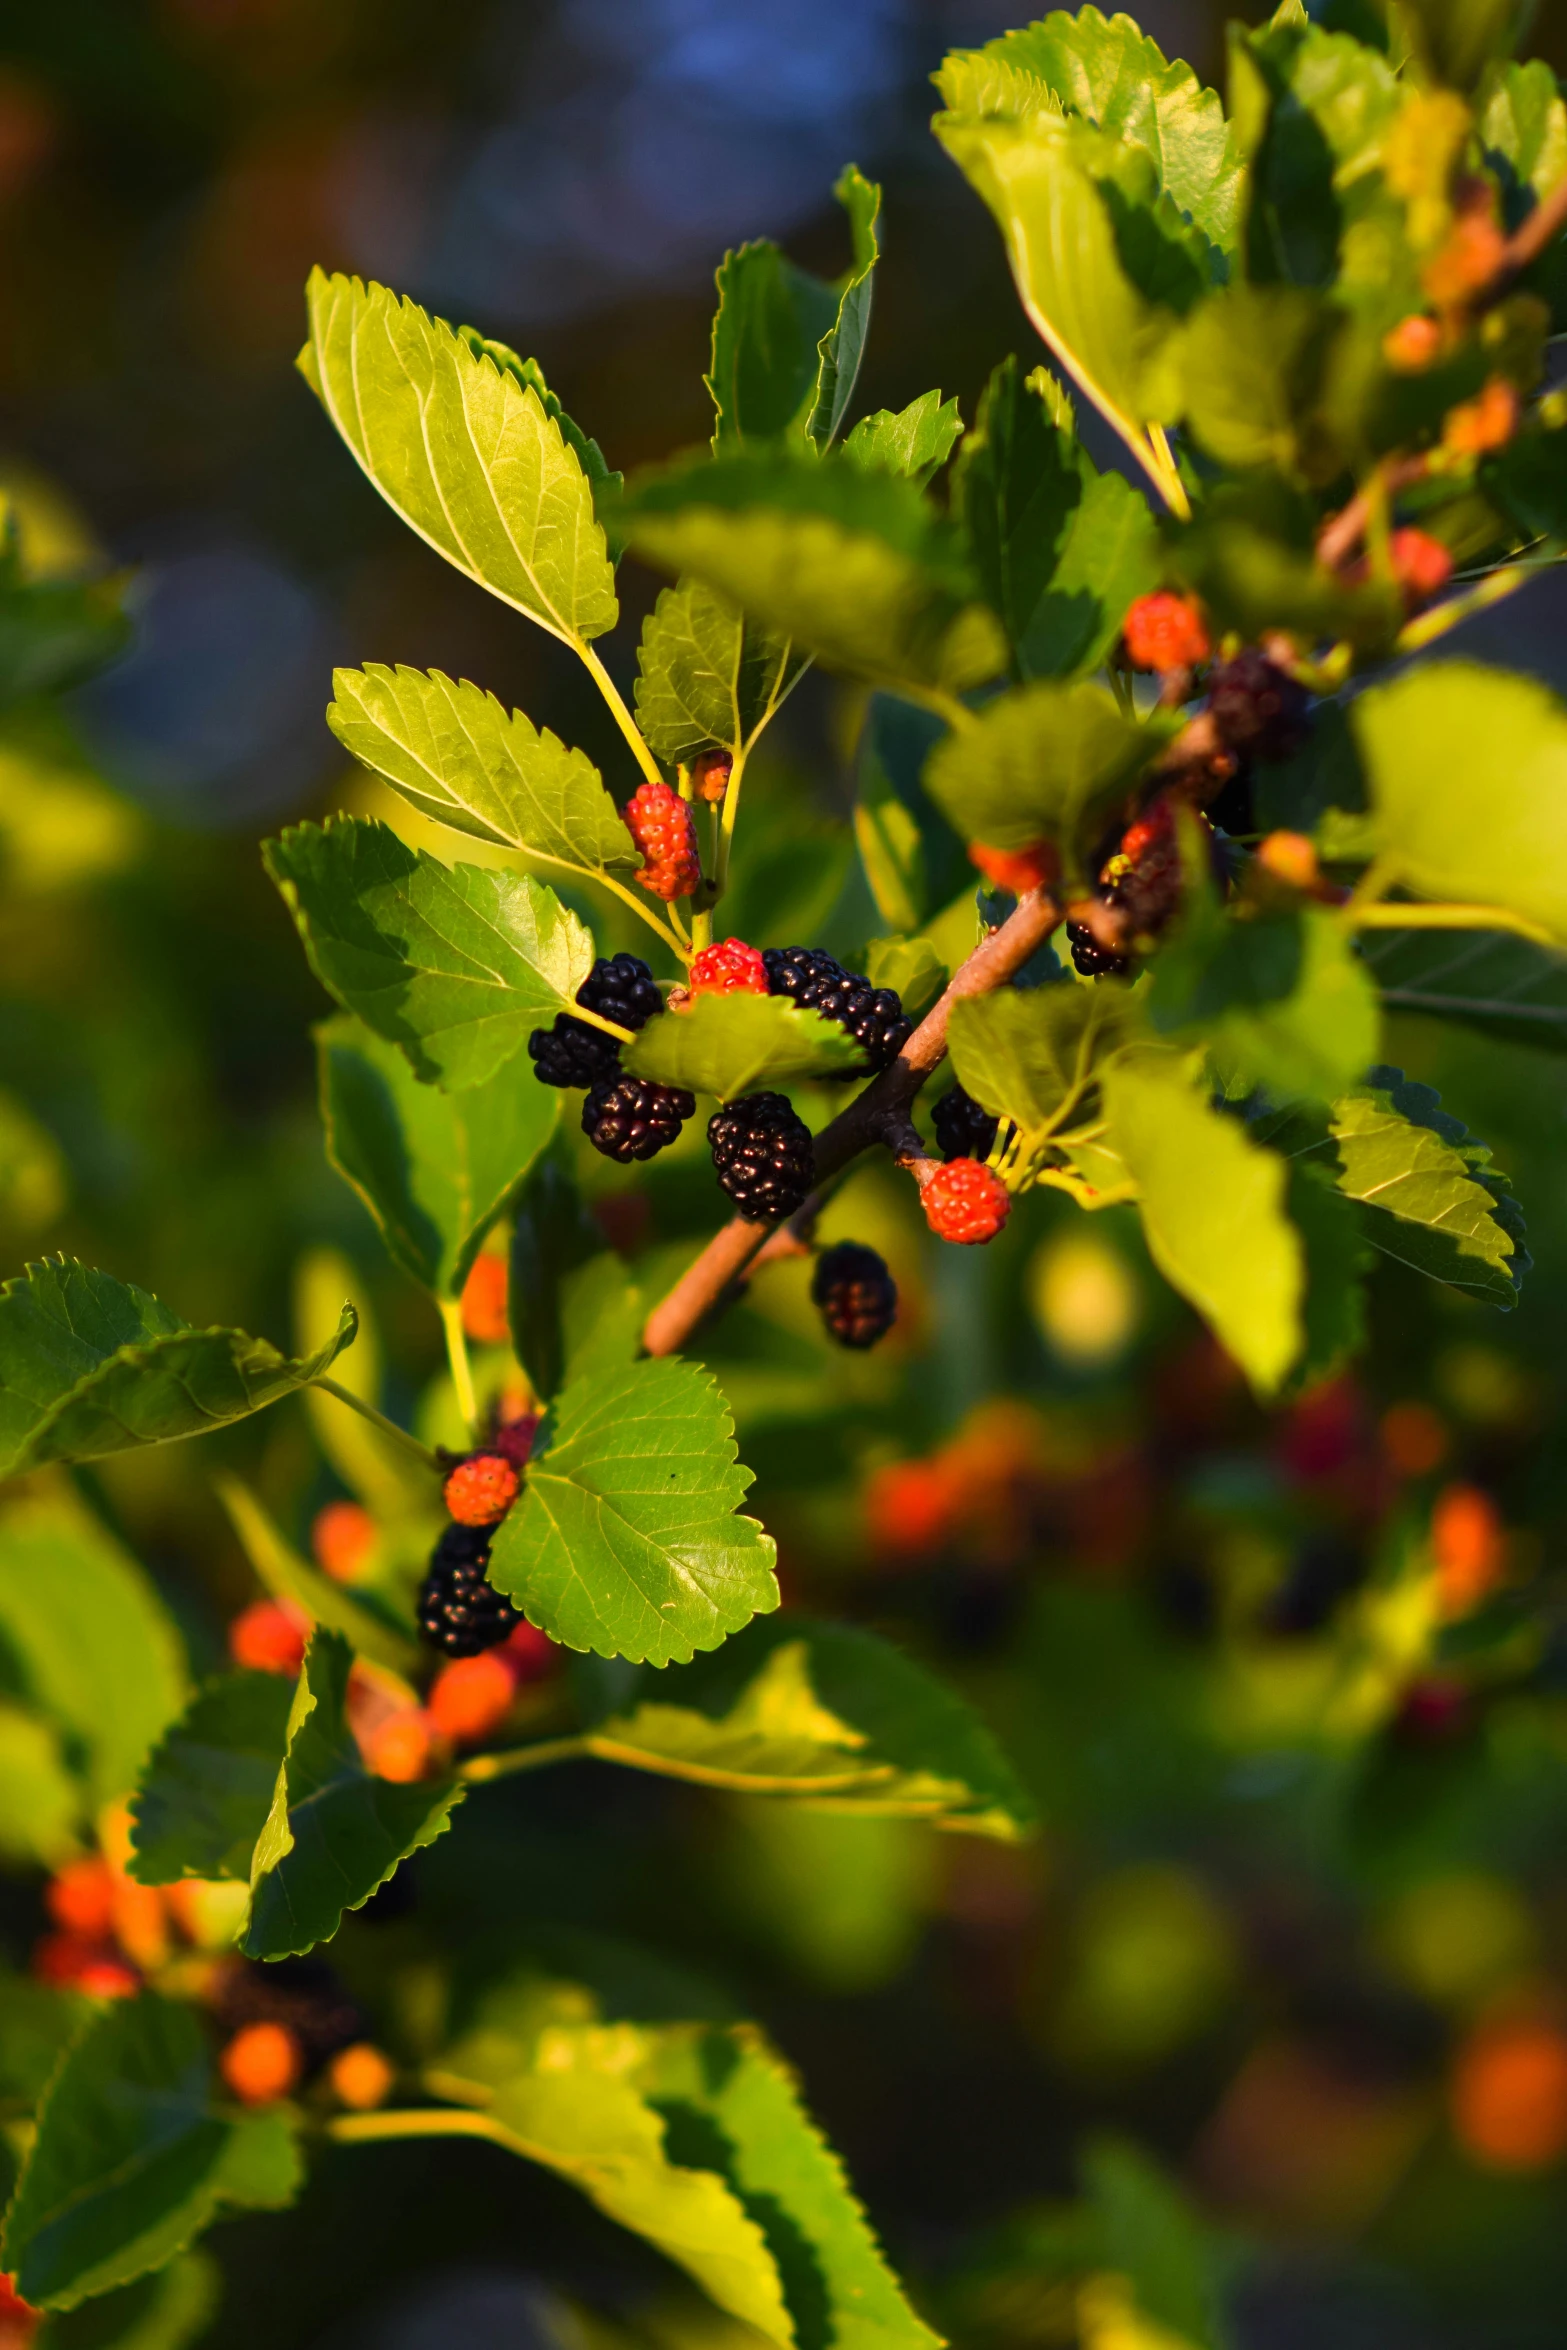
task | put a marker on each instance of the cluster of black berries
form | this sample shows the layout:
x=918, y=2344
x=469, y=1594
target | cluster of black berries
x=459, y=1611
x=963, y=1129
x=624, y=1117
x=873, y=1016
x=856, y=1295
x=301, y=1994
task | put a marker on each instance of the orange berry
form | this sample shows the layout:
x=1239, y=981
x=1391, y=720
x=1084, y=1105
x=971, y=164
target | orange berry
x=484, y=1302
x=1166, y=631
x=472, y=1696
x=710, y=774
x=80, y=1897
x=660, y=823
x=1414, y=1437
x=1469, y=1546
x=1413, y=345
x=141, y=1922
x=343, y=1537
x=531, y=1654
x=1475, y=427
x=401, y=1748
x=481, y=1489
x=1509, y=2096
x=729, y=967
x=1290, y=857
x=1018, y=870
x=909, y=1507
x=1421, y=565
x=262, y=2063
x=1466, y=264
x=966, y=1202
x=361, y=2077
x=269, y=1637
x=71, y=1963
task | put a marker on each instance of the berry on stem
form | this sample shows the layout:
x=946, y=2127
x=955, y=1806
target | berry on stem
x=710, y=774
x=855, y=1293
x=1165, y=632
x=458, y=1610
x=963, y=1129
x=966, y=1202
x=1092, y=960
x=1421, y=565
x=570, y=1052
x=815, y=980
x=262, y=2063
x=481, y=1489
x=361, y=2077
x=1018, y=870
x=762, y=1155
x=729, y=967
x=402, y=1748
x=632, y=1118
x=660, y=823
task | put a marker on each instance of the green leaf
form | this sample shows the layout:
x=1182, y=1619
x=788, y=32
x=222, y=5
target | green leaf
x=528, y=372
x=40, y=1797
x=625, y=1540
x=134, y=2157
x=468, y=456
x=842, y=347
x=458, y=756
x=1489, y=979
x=207, y=1788
x=1027, y=1054
x=1154, y=2239
x=737, y=1044
x=1043, y=762
x=1280, y=1000
x=913, y=860
x=1332, y=1232
x=457, y=964
x=708, y=678
x=1457, y=39
x=552, y=1235
x=1315, y=108
x=1523, y=127
x=911, y=967
x=1110, y=555
x=435, y=1169
x=1447, y=740
x=1041, y=177
x=1107, y=70
x=335, y=1833
x=89, y=1640
x=770, y=321
x=1213, y=1212
x=1019, y=483
x=163, y=2312
x=1431, y=1196
x=55, y=632
x=89, y=1365
x=915, y=441
x=823, y=1711
x=855, y=566
x=365, y=1618
x=1251, y=557
x=1254, y=361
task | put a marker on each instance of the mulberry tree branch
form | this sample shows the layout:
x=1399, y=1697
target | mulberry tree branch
x=878, y=1115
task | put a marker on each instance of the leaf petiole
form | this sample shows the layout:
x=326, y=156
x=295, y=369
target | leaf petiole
x=389, y=1428
x=481, y=1768
x=457, y=1356
x=1403, y=915
x=618, y=711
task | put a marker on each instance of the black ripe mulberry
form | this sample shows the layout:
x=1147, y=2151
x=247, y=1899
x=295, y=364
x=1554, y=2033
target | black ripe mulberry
x=459, y=1611
x=815, y=980
x=762, y=1155
x=632, y=1118
x=570, y=1052
x=1257, y=708
x=857, y=1295
x=963, y=1129
x=1091, y=959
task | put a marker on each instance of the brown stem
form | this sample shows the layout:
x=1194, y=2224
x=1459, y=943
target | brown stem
x=874, y=1115
x=1527, y=242
x=1341, y=535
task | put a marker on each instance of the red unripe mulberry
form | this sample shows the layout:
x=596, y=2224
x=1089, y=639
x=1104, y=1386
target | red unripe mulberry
x=659, y=821
x=1164, y=632
x=481, y=1489
x=1019, y=870
x=1421, y=565
x=729, y=968
x=710, y=775
x=966, y=1202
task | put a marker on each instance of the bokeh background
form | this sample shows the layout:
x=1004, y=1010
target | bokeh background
x=1266, y=1958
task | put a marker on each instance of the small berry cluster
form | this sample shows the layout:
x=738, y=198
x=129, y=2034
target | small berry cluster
x=285, y=2024
x=762, y=1155
x=873, y=1016
x=624, y=1117
x=855, y=1294
x=660, y=823
x=1141, y=881
x=459, y=1609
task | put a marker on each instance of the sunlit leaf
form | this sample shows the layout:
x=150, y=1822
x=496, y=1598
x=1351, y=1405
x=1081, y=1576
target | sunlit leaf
x=1433, y=1197
x=708, y=678
x=737, y=1044
x=915, y=441
x=1044, y=762
x=207, y=1789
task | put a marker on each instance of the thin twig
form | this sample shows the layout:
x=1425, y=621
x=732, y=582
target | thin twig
x=1527, y=242
x=388, y=1428
x=881, y=1110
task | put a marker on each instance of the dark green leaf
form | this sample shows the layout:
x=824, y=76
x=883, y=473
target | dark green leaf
x=790, y=1707
x=162, y=2312
x=1253, y=361
x=855, y=566
x=626, y=1540
x=1503, y=985
x=134, y=2157
x=551, y=1236
x=1456, y=39
x=55, y=632
x=89, y=1365
x=1111, y=555
x=770, y=319
x=1431, y=1195
x=1044, y=762
x=456, y=964
x=335, y=1833
x=207, y=1788
x=737, y=1044
x=708, y=678
x=435, y=1169
x=1332, y=1233
x=1154, y=2239
x=842, y=347
x=915, y=441
x=90, y=1641
x=456, y=755
x=1020, y=481
x=468, y=456
x=913, y=859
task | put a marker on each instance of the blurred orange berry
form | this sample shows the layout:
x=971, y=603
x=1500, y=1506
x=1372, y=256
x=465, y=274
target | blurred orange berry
x=481, y=1489
x=1165, y=632
x=1466, y=263
x=141, y=1922
x=1017, y=869
x=1413, y=344
x=72, y=1963
x=18, y=2318
x=1290, y=857
x=1509, y=2096
x=710, y=774
x=269, y=1637
x=530, y=1653
x=343, y=1537
x=1422, y=566
x=909, y=1507
x=262, y=2063
x=80, y=1897
x=361, y=2077
x=1414, y=1437
x=400, y=1748
x=484, y=1302
x=1469, y=1545
x=1477, y=426
x=471, y=1697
